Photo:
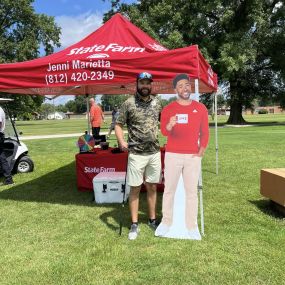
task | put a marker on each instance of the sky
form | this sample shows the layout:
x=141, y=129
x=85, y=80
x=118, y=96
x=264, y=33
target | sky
x=77, y=19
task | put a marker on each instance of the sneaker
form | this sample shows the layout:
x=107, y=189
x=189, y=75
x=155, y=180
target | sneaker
x=161, y=230
x=8, y=182
x=134, y=231
x=194, y=234
x=153, y=224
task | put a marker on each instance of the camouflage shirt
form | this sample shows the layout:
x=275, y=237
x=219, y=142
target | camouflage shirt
x=142, y=120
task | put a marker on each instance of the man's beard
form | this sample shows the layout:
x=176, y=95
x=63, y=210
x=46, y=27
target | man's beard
x=186, y=96
x=144, y=94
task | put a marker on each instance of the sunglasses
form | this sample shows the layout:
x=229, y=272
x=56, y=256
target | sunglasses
x=144, y=75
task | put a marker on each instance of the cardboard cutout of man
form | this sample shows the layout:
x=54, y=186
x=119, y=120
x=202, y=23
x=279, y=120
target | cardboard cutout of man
x=141, y=115
x=185, y=124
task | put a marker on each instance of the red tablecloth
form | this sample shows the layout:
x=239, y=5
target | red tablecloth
x=88, y=165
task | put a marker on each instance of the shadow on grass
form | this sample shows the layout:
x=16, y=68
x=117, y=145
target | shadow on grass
x=268, y=207
x=218, y=124
x=205, y=170
x=254, y=124
x=121, y=213
x=115, y=216
x=58, y=187
x=263, y=124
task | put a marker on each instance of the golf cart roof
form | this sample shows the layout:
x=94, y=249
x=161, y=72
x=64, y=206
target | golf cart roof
x=5, y=100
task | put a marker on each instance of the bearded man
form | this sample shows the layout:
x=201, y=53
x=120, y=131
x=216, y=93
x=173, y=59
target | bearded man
x=185, y=124
x=141, y=114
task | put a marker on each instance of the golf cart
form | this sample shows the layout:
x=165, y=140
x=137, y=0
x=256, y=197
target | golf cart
x=15, y=150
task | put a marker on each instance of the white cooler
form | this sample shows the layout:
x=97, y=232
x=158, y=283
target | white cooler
x=108, y=187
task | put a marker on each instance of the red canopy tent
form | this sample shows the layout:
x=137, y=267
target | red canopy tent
x=107, y=62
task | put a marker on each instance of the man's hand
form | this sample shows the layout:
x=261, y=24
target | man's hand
x=124, y=146
x=172, y=123
x=200, y=152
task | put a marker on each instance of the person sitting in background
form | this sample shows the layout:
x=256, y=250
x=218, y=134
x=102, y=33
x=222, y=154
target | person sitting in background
x=3, y=159
x=115, y=114
x=96, y=118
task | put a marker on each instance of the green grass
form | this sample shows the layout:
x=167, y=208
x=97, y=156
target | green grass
x=50, y=127
x=255, y=119
x=53, y=234
x=45, y=127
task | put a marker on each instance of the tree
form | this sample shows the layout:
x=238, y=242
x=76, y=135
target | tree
x=78, y=105
x=22, y=33
x=81, y=104
x=46, y=109
x=244, y=41
x=165, y=102
x=61, y=108
x=208, y=101
x=71, y=106
x=23, y=105
x=109, y=101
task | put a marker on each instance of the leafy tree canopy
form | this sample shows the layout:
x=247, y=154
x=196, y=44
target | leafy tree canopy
x=46, y=109
x=22, y=34
x=244, y=41
x=109, y=101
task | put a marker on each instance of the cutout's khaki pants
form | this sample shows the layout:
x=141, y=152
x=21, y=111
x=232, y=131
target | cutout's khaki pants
x=189, y=166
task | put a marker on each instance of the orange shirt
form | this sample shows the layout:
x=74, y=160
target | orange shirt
x=96, y=114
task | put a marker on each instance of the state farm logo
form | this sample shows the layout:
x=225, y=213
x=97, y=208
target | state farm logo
x=157, y=47
x=98, y=55
x=112, y=47
x=98, y=169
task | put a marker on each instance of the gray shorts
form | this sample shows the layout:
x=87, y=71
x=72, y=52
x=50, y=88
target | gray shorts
x=144, y=168
x=112, y=127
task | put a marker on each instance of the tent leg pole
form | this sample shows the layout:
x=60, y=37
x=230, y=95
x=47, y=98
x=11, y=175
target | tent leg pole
x=200, y=183
x=88, y=114
x=200, y=191
x=216, y=134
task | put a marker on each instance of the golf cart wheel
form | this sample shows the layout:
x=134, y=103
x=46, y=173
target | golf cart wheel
x=24, y=165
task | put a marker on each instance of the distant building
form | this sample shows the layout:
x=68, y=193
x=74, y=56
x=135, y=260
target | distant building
x=37, y=116
x=71, y=115
x=268, y=109
x=224, y=110
x=56, y=116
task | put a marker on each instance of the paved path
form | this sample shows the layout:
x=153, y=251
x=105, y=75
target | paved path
x=23, y=138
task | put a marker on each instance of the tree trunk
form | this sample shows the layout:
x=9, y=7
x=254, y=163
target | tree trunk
x=235, y=117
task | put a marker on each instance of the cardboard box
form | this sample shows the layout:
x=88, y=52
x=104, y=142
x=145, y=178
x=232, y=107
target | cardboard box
x=108, y=187
x=272, y=184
